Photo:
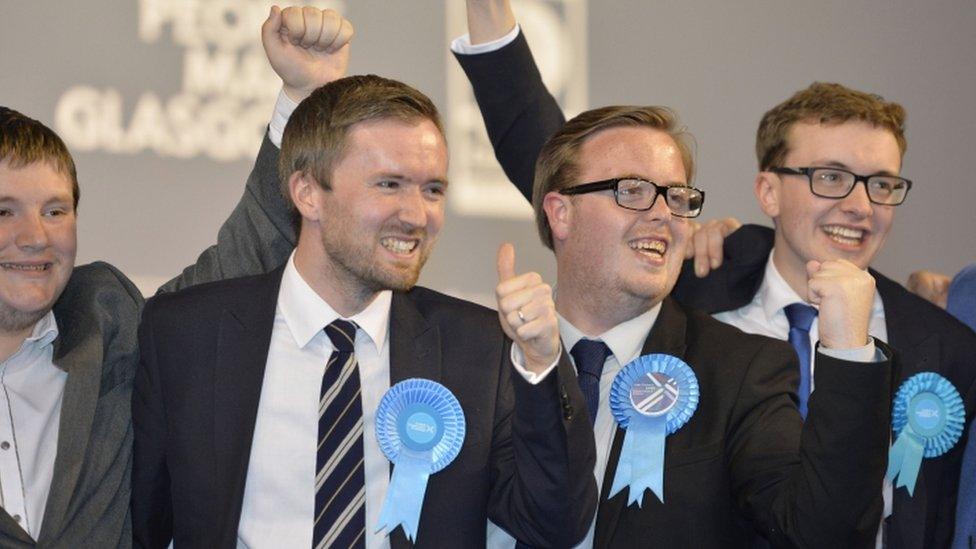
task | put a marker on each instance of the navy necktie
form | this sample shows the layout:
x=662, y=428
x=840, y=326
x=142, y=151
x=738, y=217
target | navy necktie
x=801, y=317
x=340, y=480
x=589, y=356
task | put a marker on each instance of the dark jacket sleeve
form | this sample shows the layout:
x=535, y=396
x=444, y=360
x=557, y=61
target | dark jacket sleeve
x=543, y=454
x=519, y=112
x=256, y=238
x=829, y=493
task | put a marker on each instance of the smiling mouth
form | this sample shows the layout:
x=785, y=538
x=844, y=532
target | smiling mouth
x=650, y=247
x=399, y=246
x=26, y=267
x=844, y=235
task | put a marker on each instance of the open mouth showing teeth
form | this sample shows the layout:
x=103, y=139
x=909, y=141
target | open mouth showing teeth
x=844, y=235
x=22, y=267
x=399, y=246
x=651, y=247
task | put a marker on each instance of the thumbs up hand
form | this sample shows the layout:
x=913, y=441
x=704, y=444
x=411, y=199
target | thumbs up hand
x=527, y=312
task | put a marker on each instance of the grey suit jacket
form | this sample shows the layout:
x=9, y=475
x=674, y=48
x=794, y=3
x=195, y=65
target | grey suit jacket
x=97, y=316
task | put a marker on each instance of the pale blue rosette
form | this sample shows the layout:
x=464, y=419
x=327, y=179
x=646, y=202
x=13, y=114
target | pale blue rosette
x=652, y=397
x=420, y=428
x=927, y=417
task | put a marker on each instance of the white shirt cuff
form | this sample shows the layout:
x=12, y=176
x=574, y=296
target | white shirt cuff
x=284, y=106
x=462, y=45
x=867, y=353
x=518, y=359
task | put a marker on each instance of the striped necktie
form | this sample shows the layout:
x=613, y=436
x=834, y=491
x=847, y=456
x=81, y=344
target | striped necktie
x=340, y=482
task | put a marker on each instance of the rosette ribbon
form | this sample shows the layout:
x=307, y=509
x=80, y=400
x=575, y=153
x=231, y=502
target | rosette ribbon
x=420, y=428
x=652, y=397
x=927, y=417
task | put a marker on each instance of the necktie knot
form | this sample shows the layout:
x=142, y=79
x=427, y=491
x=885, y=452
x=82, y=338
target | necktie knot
x=800, y=315
x=589, y=356
x=342, y=333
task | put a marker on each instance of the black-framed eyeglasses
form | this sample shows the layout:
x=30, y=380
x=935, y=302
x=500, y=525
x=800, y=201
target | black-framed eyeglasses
x=639, y=194
x=887, y=190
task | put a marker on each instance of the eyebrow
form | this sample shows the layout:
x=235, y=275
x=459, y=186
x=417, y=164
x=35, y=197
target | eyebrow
x=841, y=165
x=672, y=183
x=401, y=177
x=66, y=199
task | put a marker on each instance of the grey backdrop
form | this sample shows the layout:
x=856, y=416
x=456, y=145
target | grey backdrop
x=719, y=64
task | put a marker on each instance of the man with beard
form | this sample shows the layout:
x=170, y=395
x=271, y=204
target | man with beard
x=814, y=150
x=248, y=433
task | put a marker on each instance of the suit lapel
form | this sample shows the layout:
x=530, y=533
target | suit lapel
x=914, y=350
x=415, y=351
x=415, y=346
x=82, y=358
x=667, y=337
x=243, y=341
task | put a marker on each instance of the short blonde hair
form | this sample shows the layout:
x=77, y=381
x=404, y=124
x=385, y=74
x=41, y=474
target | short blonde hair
x=824, y=103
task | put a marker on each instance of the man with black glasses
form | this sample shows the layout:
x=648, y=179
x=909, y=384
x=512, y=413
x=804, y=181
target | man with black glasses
x=830, y=160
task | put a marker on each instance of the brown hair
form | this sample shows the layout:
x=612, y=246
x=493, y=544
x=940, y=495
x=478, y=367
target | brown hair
x=824, y=103
x=315, y=136
x=557, y=166
x=25, y=141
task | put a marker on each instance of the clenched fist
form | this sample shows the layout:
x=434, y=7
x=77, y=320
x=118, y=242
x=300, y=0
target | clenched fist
x=527, y=312
x=845, y=296
x=307, y=47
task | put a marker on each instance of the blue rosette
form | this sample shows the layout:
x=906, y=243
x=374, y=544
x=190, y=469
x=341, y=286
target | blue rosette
x=927, y=417
x=652, y=397
x=420, y=428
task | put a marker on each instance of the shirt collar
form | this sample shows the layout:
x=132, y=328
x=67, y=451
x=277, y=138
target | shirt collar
x=306, y=313
x=775, y=294
x=625, y=340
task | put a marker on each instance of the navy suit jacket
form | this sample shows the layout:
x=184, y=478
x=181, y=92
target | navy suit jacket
x=924, y=339
x=526, y=461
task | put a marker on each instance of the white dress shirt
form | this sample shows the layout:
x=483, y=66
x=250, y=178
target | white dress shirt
x=31, y=389
x=764, y=315
x=279, y=495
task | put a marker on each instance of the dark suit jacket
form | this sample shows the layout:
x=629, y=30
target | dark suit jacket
x=745, y=462
x=923, y=337
x=526, y=461
x=713, y=484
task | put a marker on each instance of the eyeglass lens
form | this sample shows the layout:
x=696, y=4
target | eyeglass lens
x=640, y=195
x=882, y=189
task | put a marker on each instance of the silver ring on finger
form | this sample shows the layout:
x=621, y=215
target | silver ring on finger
x=521, y=316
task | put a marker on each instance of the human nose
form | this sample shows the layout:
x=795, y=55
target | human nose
x=31, y=232
x=413, y=208
x=857, y=202
x=659, y=209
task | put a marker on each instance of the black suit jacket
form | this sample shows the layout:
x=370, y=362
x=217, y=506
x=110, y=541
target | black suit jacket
x=526, y=461
x=742, y=462
x=746, y=462
x=923, y=337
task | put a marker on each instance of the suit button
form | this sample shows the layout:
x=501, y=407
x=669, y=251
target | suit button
x=17, y=518
x=568, y=412
x=5, y=445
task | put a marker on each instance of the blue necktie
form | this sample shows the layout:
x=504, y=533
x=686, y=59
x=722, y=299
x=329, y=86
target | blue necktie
x=340, y=481
x=801, y=317
x=589, y=356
